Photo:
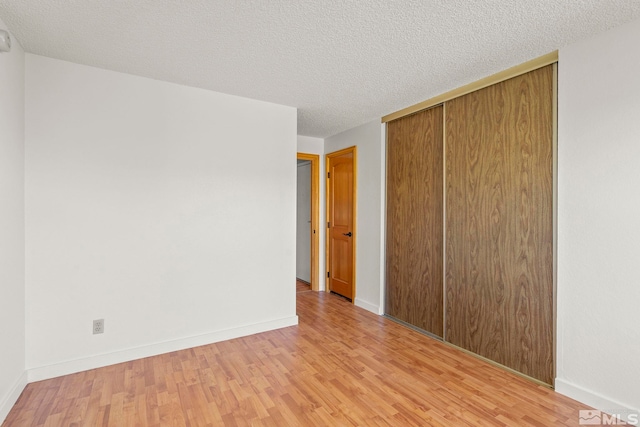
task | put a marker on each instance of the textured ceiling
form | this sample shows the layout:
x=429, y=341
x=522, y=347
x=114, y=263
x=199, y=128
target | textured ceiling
x=341, y=63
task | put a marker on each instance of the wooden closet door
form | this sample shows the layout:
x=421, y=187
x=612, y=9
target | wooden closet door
x=414, y=282
x=499, y=237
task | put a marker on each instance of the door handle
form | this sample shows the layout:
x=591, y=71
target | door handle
x=347, y=234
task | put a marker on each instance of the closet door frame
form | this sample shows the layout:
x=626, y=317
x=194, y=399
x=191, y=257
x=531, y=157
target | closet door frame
x=548, y=59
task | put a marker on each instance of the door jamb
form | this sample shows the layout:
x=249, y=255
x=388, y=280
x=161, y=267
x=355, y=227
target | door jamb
x=328, y=157
x=315, y=215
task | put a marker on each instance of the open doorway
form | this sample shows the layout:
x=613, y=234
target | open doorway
x=307, y=217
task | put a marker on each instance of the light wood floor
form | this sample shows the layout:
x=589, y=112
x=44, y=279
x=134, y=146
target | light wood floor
x=302, y=286
x=340, y=366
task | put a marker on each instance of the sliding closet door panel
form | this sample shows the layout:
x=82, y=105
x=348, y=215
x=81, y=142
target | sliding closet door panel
x=414, y=282
x=499, y=237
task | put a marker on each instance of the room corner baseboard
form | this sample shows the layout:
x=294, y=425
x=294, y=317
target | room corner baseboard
x=11, y=398
x=601, y=403
x=367, y=306
x=70, y=367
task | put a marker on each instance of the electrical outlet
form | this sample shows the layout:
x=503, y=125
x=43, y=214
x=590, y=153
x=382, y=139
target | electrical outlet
x=98, y=326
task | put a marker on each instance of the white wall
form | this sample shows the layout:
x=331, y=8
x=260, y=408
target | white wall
x=138, y=212
x=598, y=337
x=303, y=223
x=312, y=145
x=12, y=293
x=369, y=138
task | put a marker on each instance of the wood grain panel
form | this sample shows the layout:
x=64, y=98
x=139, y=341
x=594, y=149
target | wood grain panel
x=414, y=245
x=499, y=236
x=341, y=366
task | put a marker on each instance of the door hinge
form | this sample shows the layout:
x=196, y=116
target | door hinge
x=328, y=175
x=328, y=274
x=328, y=225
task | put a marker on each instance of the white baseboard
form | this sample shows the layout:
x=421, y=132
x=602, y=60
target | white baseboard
x=11, y=398
x=597, y=401
x=367, y=306
x=65, y=368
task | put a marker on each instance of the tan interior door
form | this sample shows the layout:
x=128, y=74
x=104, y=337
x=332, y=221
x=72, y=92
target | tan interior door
x=341, y=232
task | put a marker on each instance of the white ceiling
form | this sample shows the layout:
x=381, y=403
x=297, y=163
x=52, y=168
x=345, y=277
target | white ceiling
x=341, y=63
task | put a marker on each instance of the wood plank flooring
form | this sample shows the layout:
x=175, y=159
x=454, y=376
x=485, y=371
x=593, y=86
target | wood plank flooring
x=341, y=366
x=302, y=286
